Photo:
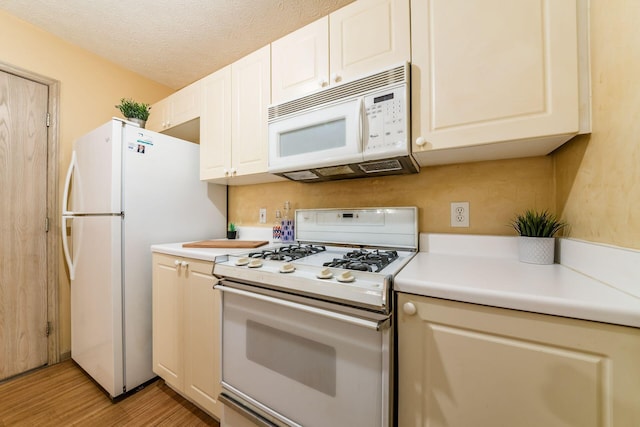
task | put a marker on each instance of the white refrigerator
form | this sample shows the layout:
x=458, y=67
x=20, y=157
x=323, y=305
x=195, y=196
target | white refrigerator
x=126, y=189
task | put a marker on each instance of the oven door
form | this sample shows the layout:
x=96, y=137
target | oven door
x=295, y=364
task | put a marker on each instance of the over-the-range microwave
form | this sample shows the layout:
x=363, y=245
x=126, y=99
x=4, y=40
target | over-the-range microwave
x=353, y=130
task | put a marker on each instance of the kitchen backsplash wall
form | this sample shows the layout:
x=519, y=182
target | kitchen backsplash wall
x=495, y=190
x=598, y=175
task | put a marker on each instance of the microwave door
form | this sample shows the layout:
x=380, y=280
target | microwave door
x=326, y=136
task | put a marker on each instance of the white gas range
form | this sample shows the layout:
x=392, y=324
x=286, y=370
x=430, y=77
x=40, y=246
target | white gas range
x=306, y=327
x=348, y=256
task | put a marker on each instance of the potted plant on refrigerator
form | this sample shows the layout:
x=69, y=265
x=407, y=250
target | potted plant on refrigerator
x=133, y=111
x=232, y=233
x=536, y=244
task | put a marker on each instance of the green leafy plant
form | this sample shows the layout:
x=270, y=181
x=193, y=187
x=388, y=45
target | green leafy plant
x=537, y=224
x=133, y=110
x=232, y=227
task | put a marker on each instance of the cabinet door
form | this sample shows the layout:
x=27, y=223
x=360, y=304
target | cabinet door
x=158, y=116
x=469, y=365
x=202, y=336
x=168, y=325
x=215, y=125
x=251, y=90
x=368, y=36
x=185, y=105
x=300, y=62
x=493, y=71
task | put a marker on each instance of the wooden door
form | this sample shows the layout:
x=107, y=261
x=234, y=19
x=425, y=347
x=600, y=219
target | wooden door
x=23, y=212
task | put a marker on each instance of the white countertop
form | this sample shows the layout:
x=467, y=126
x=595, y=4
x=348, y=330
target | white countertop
x=204, y=254
x=209, y=254
x=496, y=278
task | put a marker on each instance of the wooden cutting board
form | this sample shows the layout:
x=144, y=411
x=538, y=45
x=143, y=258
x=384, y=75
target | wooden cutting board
x=225, y=244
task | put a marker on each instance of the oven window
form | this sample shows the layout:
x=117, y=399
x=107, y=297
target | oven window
x=310, y=139
x=300, y=359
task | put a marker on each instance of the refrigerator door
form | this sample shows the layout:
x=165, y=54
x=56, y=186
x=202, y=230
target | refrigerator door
x=163, y=201
x=96, y=184
x=96, y=298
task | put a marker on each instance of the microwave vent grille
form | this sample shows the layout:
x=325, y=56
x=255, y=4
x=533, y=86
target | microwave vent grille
x=347, y=90
x=381, y=166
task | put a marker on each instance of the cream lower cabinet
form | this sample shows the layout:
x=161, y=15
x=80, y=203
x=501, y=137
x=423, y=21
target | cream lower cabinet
x=186, y=329
x=362, y=38
x=464, y=365
x=494, y=79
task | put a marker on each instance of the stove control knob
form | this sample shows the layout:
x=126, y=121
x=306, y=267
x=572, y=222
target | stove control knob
x=287, y=268
x=346, y=277
x=325, y=273
x=409, y=308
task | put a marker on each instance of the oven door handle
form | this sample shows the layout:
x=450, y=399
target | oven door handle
x=369, y=324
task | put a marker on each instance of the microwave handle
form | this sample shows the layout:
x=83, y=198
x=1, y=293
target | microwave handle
x=361, y=123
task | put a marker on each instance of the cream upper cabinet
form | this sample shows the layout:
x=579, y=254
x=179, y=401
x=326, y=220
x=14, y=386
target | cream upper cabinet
x=361, y=38
x=186, y=329
x=466, y=365
x=176, y=109
x=234, y=140
x=497, y=79
x=300, y=61
x=368, y=36
x=215, y=125
x=250, y=97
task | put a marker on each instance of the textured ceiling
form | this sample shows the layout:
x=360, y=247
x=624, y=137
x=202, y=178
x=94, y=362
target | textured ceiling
x=174, y=42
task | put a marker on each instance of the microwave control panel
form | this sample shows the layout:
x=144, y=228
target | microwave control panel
x=386, y=123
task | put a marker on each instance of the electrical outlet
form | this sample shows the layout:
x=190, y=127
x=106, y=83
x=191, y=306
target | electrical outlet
x=263, y=215
x=460, y=214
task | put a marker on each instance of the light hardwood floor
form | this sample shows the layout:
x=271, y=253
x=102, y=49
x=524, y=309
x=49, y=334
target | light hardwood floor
x=63, y=395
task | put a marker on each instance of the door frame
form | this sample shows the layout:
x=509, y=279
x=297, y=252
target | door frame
x=53, y=214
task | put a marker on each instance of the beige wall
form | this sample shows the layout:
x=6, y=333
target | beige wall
x=89, y=89
x=496, y=191
x=593, y=181
x=598, y=176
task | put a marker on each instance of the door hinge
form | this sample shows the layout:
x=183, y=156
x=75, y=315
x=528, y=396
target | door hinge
x=47, y=329
x=48, y=119
x=46, y=225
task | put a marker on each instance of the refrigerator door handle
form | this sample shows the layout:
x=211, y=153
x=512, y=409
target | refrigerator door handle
x=67, y=184
x=65, y=247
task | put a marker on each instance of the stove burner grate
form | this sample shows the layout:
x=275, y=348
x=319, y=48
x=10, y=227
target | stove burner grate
x=288, y=253
x=364, y=260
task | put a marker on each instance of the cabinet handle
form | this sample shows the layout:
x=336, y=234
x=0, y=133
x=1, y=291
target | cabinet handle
x=176, y=263
x=184, y=264
x=226, y=172
x=234, y=172
x=335, y=78
x=322, y=82
x=420, y=141
x=409, y=308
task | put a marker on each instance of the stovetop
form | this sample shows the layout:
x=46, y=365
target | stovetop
x=361, y=259
x=358, y=274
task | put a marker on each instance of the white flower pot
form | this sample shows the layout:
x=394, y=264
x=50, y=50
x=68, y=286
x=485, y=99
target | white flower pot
x=536, y=250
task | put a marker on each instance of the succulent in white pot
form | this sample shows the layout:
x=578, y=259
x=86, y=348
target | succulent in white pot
x=536, y=244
